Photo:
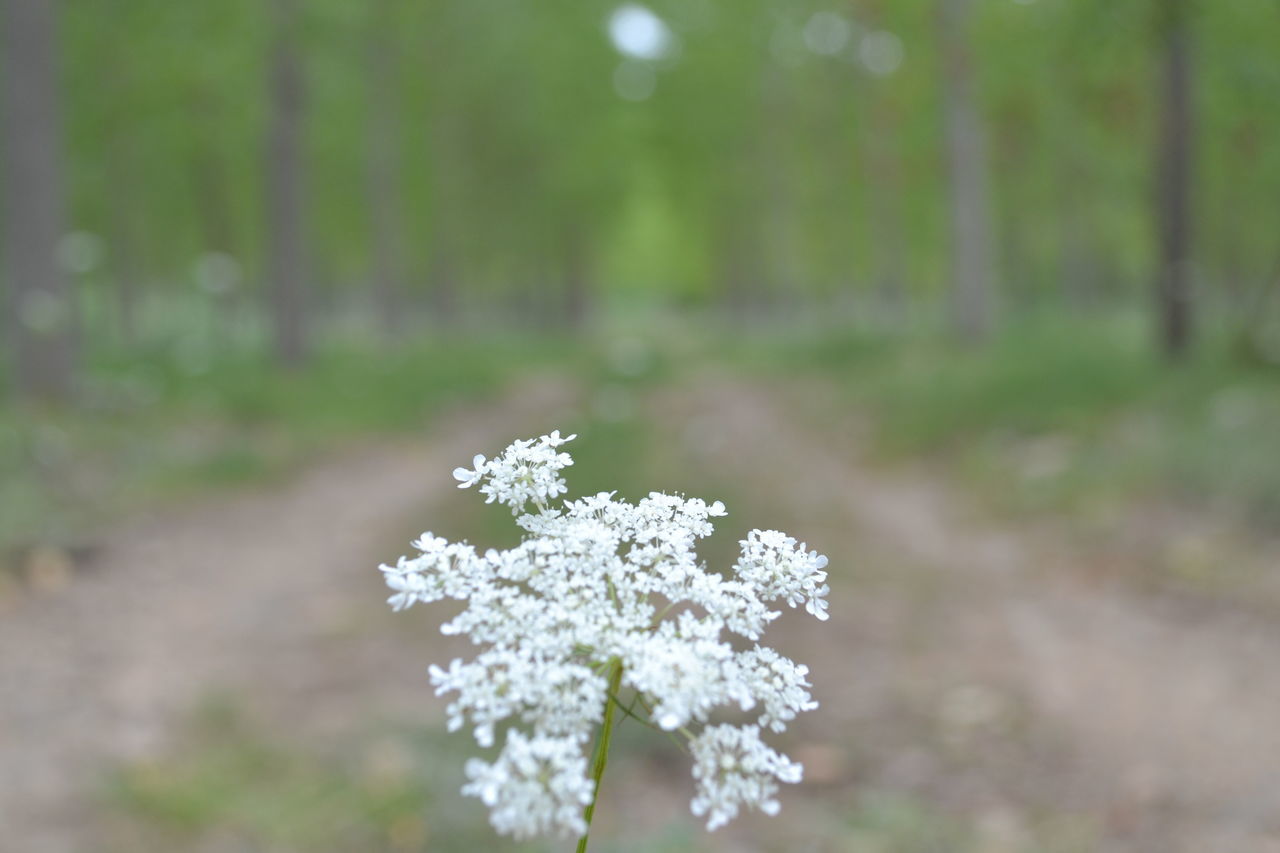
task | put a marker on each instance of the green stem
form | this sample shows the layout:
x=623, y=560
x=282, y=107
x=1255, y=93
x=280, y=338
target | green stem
x=684, y=730
x=602, y=747
x=662, y=614
x=630, y=712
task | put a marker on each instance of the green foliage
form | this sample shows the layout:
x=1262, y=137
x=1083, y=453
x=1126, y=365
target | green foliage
x=375, y=790
x=518, y=160
x=1063, y=413
x=260, y=792
x=1028, y=382
x=895, y=824
x=162, y=424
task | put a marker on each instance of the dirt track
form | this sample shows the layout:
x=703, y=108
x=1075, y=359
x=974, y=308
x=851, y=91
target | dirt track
x=979, y=668
x=261, y=589
x=990, y=669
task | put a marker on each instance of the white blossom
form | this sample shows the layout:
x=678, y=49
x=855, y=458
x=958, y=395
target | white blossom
x=528, y=470
x=733, y=768
x=780, y=569
x=596, y=585
x=538, y=786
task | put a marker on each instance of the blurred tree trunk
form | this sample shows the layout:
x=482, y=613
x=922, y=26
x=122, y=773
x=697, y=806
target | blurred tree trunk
x=39, y=310
x=122, y=241
x=124, y=268
x=780, y=214
x=577, y=281
x=443, y=263
x=212, y=182
x=384, y=172
x=970, y=207
x=1077, y=264
x=1245, y=282
x=732, y=282
x=444, y=284
x=1013, y=128
x=884, y=203
x=285, y=259
x=1230, y=248
x=1173, y=212
x=1076, y=268
x=883, y=174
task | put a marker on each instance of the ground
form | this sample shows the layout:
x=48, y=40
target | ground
x=986, y=684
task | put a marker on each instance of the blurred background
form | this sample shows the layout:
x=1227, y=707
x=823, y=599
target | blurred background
x=980, y=297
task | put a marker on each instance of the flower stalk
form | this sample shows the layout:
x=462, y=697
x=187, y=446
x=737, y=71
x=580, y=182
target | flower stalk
x=602, y=748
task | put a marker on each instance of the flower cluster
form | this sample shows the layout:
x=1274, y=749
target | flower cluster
x=604, y=602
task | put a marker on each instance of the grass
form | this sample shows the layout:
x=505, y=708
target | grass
x=1064, y=414
x=154, y=427
x=233, y=785
x=373, y=790
x=1056, y=415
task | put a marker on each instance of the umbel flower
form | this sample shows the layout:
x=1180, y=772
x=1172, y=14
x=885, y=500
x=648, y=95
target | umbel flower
x=604, y=610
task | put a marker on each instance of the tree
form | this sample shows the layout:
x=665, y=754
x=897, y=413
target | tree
x=1173, y=211
x=385, y=203
x=285, y=260
x=39, y=311
x=968, y=178
x=882, y=165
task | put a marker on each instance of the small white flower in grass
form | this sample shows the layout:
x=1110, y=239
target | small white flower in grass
x=604, y=610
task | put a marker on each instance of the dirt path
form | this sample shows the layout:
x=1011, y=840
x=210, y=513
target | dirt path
x=989, y=669
x=260, y=589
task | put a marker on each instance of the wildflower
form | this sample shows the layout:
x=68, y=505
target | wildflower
x=571, y=631
x=537, y=786
x=734, y=767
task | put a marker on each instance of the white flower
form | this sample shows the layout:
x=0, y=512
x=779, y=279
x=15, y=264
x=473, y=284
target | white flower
x=732, y=768
x=538, y=786
x=779, y=569
x=778, y=682
x=526, y=471
x=467, y=479
x=580, y=599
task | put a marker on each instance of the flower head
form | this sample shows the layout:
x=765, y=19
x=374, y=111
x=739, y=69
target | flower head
x=538, y=786
x=526, y=471
x=600, y=587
